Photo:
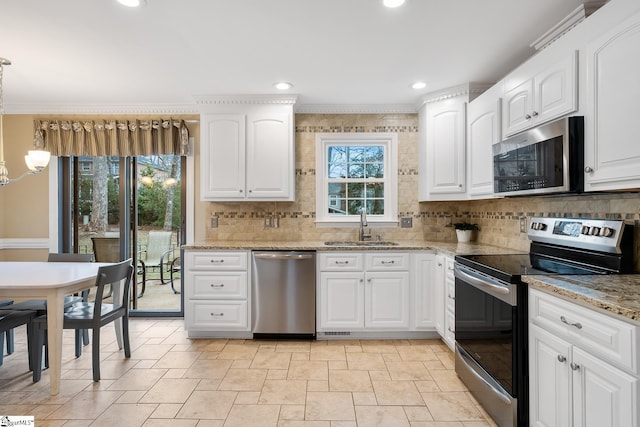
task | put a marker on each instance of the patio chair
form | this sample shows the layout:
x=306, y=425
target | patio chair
x=157, y=254
x=92, y=315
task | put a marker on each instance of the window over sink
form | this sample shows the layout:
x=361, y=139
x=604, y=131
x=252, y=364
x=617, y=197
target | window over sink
x=355, y=171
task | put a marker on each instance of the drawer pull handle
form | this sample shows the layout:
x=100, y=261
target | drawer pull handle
x=342, y=262
x=574, y=366
x=217, y=261
x=217, y=314
x=561, y=358
x=387, y=262
x=564, y=320
x=221, y=285
x=451, y=330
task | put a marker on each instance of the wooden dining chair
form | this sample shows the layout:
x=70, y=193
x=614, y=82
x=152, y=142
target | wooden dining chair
x=93, y=315
x=10, y=319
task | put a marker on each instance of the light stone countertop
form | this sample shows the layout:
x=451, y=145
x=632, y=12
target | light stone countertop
x=618, y=294
x=448, y=248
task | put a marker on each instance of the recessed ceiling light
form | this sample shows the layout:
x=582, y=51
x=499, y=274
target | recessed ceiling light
x=133, y=3
x=393, y=3
x=283, y=85
x=418, y=85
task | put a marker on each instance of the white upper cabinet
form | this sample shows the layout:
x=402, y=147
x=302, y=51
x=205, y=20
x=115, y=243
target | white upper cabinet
x=247, y=149
x=483, y=130
x=442, y=146
x=612, y=147
x=539, y=92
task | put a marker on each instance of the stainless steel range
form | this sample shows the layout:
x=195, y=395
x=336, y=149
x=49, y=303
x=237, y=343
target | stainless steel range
x=491, y=304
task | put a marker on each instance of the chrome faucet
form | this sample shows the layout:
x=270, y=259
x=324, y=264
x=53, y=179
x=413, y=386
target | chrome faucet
x=363, y=223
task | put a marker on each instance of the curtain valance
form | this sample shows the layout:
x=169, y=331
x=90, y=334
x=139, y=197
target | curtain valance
x=113, y=137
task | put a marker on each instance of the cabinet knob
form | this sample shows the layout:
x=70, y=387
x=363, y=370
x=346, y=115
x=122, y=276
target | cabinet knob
x=528, y=116
x=535, y=114
x=439, y=264
x=561, y=358
x=588, y=169
x=361, y=280
x=574, y=366
x=240, y=190
x=369, y=280
x=250, y=191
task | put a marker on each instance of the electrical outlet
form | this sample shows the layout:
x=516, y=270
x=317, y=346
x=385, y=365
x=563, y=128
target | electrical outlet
x=406, y=222
x=268, y=222
x=448, y=221
x=523, y=224
x=214, y=222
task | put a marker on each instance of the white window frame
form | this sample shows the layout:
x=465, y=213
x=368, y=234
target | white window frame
x=390, y=141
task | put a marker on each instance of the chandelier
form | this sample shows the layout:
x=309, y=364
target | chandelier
x=36, y=160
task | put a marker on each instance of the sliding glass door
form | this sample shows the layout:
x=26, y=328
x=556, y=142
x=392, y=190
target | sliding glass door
x=128, y=207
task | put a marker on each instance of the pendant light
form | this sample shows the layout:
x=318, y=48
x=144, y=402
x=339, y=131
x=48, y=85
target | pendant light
x=36, y=160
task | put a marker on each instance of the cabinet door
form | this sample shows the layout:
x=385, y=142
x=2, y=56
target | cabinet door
x=270, y=151
x=222, y=156
x=423, y=271
x=341, y=303
x=446, y=148
x=603, y=396
x=555, y=90
x=518, y=105
x=484, y=130
x=387, y=300
x=438, y=294
x=612, y=151
x=549, y=379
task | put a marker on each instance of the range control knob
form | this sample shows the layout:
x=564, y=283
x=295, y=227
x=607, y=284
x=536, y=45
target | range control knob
x=534, y=225
x=606, y=232
x=585, y=229
x=594, y=231
x=542, y=226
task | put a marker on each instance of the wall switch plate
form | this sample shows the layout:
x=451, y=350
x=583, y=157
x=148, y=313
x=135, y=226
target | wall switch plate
x=523, y=224
x=214, y=222
x=268, y=222
x=448, y=220
x=406, y=222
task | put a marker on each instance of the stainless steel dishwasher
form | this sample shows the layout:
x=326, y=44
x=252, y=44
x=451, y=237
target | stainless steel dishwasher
x=283, y=293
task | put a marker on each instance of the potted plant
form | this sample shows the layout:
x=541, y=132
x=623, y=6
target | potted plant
x=464, y=231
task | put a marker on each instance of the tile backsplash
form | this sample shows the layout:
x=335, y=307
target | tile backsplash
x=499, y=219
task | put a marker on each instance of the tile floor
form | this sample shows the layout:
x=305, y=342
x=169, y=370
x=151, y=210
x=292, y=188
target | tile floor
x=171, y=380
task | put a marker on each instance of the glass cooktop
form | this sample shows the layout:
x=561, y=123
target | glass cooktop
x=515, y=265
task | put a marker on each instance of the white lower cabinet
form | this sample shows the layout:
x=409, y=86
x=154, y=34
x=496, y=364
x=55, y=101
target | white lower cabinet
x=583, y=366
x=216, y=292
x=444, y=294
x=351, y=297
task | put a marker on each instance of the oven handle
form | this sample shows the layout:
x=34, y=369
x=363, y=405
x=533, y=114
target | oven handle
x=466, y=359
x=486, y=284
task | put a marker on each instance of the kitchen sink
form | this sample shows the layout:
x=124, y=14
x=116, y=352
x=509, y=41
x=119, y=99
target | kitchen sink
x=358, y=243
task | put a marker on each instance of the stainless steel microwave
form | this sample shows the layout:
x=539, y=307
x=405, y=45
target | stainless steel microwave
x=543, y=160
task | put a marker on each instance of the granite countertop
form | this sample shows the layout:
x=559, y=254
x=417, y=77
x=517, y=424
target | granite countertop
x=617, y=293
x=448, y=248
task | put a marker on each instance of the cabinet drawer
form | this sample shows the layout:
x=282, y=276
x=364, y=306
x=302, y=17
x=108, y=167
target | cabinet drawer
x=217, y=260
x=604, y=336
x=218, y=315
x=385, y=261
x=341, y=261
x=205, y=285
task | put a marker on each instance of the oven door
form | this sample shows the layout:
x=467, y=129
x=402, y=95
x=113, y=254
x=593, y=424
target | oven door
x=487, y=346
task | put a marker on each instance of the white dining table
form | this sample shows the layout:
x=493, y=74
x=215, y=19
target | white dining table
x=50, y=281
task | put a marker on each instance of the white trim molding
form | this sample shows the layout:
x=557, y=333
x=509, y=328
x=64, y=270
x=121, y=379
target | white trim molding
x=25, y=243
x=356, y=109
x=207, y=100
x=103, y=109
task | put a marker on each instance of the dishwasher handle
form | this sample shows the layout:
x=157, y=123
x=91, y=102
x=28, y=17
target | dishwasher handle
x=282, y=256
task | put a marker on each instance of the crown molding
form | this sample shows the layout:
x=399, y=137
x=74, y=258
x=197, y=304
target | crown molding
x=103, y=109
x=468, y=89
x=355, y=109
x=568, y=22
x=203, y=100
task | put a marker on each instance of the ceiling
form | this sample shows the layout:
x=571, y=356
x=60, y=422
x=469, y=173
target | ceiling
x=75, y=55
